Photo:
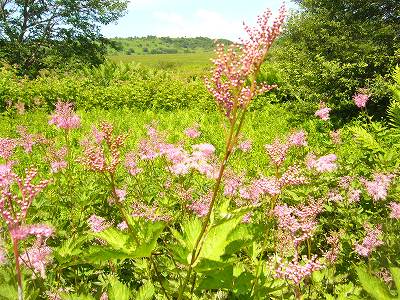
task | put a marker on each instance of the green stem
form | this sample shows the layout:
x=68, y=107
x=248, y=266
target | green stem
x=18, y=269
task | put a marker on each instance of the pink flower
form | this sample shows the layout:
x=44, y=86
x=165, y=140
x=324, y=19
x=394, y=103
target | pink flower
x=97, y=224
x=204, y=149
x=245, y=146
x=371, y=241
x=296, y=271
x=37, y=257
x=193, y=132
x=292, y=176
x=332, y=254
x=7, y=147
x=277, y=152
x=360, y=100
x=323, y=112
x=232, y=184
x=58, y=161
x=395, y=210
x=38, y=230
x=247, y=218
x=14, y=207
x=298, y=138
x=229, y=83
x=323, y=164
x=378, y=187
x=27, y=140
x=131, y=164
x=122, y=226
x=335, y=197
x=121, y=194
x=335, y=137
x=354, y=195
x=201, y=206
x=3, y=254
x=6, y=174
x=64, y=116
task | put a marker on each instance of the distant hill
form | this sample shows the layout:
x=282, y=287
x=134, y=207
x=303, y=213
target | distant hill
x=163, y=45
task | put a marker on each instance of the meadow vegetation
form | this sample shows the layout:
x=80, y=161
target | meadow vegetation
x=169, y=176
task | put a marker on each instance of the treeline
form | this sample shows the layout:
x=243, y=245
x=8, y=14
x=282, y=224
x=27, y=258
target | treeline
x=163, y=45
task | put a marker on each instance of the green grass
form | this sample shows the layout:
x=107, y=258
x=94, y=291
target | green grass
x=181, y=63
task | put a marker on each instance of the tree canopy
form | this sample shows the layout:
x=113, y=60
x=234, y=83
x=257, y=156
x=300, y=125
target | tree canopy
x=331, y=48
x=43, y=33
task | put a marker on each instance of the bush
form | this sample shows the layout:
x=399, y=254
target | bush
x=108, y=86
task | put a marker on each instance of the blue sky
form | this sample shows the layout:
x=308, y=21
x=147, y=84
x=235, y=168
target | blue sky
x=191, y=18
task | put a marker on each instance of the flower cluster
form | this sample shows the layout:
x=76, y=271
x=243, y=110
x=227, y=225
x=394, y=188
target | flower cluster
x=192, y=132
x=233, y=67
x=28, y=140
x=334, y=242
x=325, y=163
x=296, y=271
x=299, y=222
x=395, y=210
x=7, y=146
x=102, y=152
x=14, y=207
x=245, y=146
x=64, y=116
x=378, y=188
x=360, y=99
x=371, y=241
x=323, y=112
x=57, y=159
x=97, y=224
x=37, y=258
x=201, y=206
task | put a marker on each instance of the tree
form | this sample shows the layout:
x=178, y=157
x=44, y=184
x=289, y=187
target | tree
x=36, y=34
x=331, y=48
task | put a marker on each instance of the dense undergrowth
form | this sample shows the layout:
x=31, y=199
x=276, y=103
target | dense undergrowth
x=148, y=191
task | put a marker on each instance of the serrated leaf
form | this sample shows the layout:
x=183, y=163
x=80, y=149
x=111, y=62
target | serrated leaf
x=146, y=292
x=118, y=290
x=217, y=238
x=373, y=286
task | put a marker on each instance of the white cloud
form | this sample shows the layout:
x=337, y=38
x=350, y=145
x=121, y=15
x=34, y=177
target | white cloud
x=202, y=23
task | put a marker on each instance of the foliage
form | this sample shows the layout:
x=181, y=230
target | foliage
x=331, y=49
x=41, y=34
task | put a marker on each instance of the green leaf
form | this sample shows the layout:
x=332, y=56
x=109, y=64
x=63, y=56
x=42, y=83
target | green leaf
x=396, y=278
x=372, y=285
x=118, y=290
x=217, y=238
x=146, y=292
x=217, y=279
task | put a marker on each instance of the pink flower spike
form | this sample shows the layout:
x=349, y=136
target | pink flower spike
x=395, y=210
x=277, y=152
x=371, y=241
x=37, y=257
x=64, y=116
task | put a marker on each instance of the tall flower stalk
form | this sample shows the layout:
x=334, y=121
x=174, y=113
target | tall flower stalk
x=234, y=84
x=14, y=209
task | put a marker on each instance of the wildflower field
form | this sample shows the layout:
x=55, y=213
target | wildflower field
x=228, y=196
